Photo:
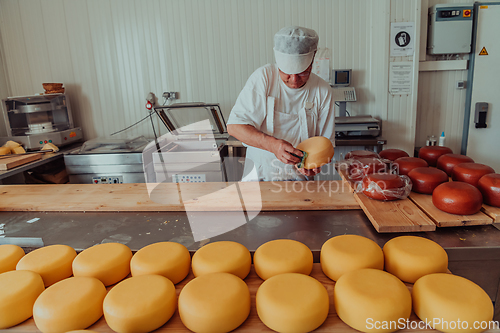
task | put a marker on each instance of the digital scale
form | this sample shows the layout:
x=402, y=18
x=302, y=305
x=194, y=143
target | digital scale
x=36, y=120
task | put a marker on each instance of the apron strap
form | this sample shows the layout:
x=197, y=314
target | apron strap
x=270, y=115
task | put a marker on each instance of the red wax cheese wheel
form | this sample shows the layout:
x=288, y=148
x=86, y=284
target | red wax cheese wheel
x=425, y=180
x=365, y=165
x=489, y=185
x=457, y=198
x=360, y=153
x=431, y=153
x=393, y=154
x=447, y=162
x=406, y=164
x=383, y=186
x=470, y=172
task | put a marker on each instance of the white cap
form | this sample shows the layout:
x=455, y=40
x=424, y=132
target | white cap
x=294, y=48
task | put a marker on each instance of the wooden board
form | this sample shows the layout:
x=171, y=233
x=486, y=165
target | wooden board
x=253, y=324
x=253, y=196
x=7, y=163
x=394, y=216
x=443, y=219
x=493, y=212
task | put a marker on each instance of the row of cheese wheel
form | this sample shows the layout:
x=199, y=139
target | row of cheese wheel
x=219, y=300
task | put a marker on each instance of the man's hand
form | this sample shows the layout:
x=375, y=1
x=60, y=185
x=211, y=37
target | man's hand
x=309, y=172
x=283, y=151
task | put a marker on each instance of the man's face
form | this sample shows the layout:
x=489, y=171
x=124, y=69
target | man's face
x=296, y=81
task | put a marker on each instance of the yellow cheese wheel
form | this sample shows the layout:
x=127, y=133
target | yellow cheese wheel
x=170, y=259
x=345, y=253
x=10, y=255
x=140, y=304
x=282, y=256
x=82, y=331
x=18, y=292
x=292, y=302
x=371, y=300
x=451, y=303
x=70, y=304
x=52, y=262
x=215, y=302
x=319, y=151
x=108, y=262
x=224, y=256
x=411, y=257
x=18, y=150
x=4, y=150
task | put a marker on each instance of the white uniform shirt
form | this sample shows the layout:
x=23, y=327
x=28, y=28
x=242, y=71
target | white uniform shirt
x=288, y=121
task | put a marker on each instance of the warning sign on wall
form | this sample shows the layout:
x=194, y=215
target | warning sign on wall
x=483, y=51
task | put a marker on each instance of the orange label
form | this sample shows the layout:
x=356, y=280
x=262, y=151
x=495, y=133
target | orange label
x=483, y=51
x=72, y=134
x=467, y=13
x=483, y=7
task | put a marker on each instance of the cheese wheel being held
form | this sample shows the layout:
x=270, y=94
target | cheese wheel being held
x=170, y=259
x=425, y=180
x=345, y=253
x=431, y=153
x=457, y=198
x=215, y=302
x=224, y=256
x=282, y=256
x=292, y=302
x=366, y=296
x=10, y=255
x=411, y=257
x=108, y=262
x=70, y=304
x=18, y=292
x=140, y=304
x=386, y=186
x=470, y=172
x=489, y=185
x=447, y=162
x=392, y=154
x=319, y=151
x=52, y=262
x=405, y=164
x=451, y=303
x=362, y=166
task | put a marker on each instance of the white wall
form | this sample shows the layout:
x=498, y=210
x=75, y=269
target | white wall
x=441, y=105
x=111, y=53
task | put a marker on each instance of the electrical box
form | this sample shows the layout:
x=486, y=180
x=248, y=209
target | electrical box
x=450, y=29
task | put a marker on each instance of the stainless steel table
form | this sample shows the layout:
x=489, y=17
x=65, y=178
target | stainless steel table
x=46, y=158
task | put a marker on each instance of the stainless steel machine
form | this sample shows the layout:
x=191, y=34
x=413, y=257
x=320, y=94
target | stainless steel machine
x=107, y=161
x=36, y=120
x=357, y=126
